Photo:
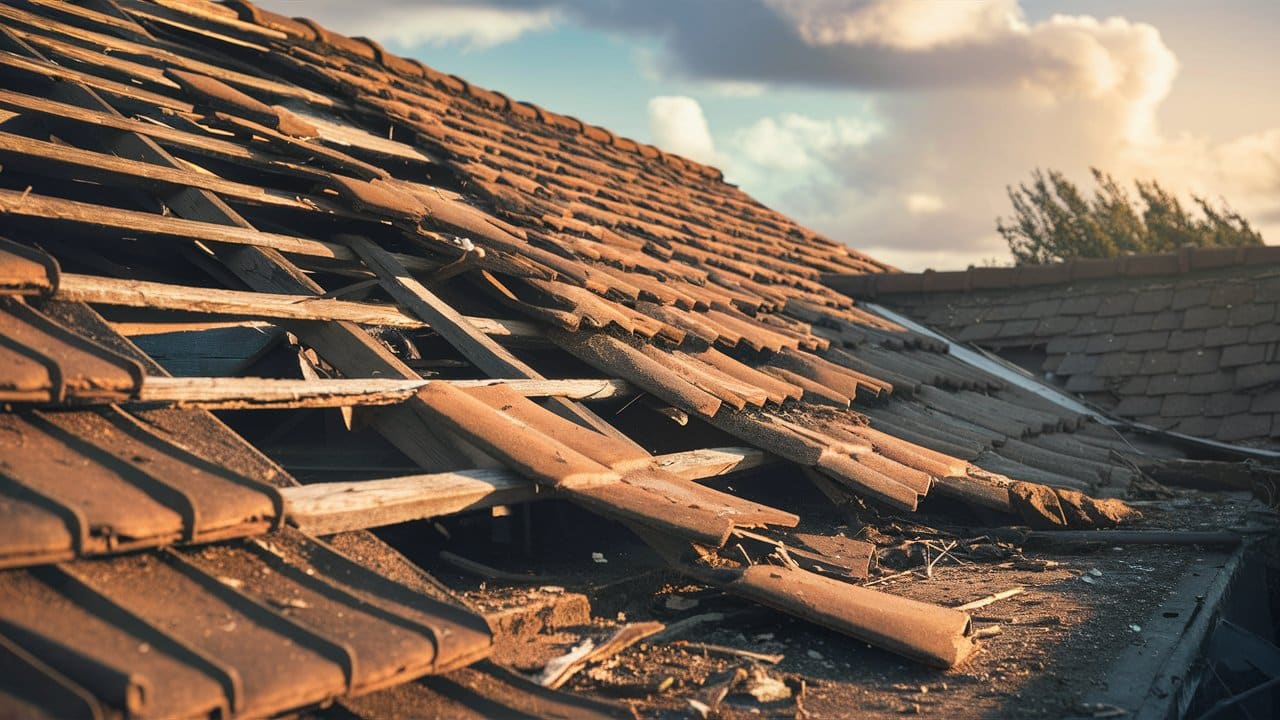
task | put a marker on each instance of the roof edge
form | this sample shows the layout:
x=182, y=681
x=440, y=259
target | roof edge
x=1181, y=262
x=308, y=30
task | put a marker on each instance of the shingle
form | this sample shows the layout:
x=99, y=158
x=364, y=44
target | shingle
x=1179, y=405
x=1085, y=383
x=1116, y=305
x=1231, y=294
x=1118, y=364
x=1102, y=343
x=1269, y=332
x=1004, y=311
x=1018, y=328
x=1266, y=402
x=1150, y=301
x=1212, y=382
x=1138, y=406
x=1251, y=314
x=1136, y=385
x=979, y=332
x=1042, y=308
x=1078, y=363
x=1092, y=325
x=1221, y=404
x=1244, y=427
x=1183, y=339
x=1132, y=324
x=1146, y=341
x=1204, y=317
x=1166, y=384
x=1254, y=375
x=1167, y=320
x=1243, y=355
x=1056, y=326
x=1066, y=344
x=1267, y=289
x=1159, y=362
x=1198, y=426
x=1199, y=361
x=1222, y=335
x=1083, y=305
x=1190, y=297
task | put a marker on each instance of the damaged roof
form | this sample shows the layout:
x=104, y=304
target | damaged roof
x=466, y=275
x=1186, y=342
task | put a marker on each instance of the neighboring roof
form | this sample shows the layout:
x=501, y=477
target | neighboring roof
x=1188, y=342
x=220, y=164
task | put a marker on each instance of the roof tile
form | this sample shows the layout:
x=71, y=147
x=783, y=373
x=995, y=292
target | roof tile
x=1183, y=339
x=1190, y=297
x=1198, y=426
x=1236, y=355
x=1259, y=374
x=1158, y=362
x=1151, y=301
x=1269, y=332
x=1082, y=305
x=1085, y=383
x=1142, y=341
x=1251, y=314
x=1138, y=406
x=1133, y=323
x=1226, y=404
x=1268, y=402
x=1066, y=344
x=1056, y=326
x=1041, y=308
x=1204, y=317
x=1244, y=427
x=1093, y=325
x=1166, y=384
x=1222, y=335
x=1102, y=343
x=1200, y=360
x=1179, y=405
x=1118, y=364
x=1267, y=289
x=1166, y=320
x=1076, y=364
x=1115, y=305
x=1230, y=294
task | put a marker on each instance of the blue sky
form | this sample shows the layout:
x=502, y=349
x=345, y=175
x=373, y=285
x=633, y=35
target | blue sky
x=891, y=125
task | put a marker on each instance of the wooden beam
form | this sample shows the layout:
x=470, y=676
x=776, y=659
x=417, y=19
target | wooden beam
x=97, y=290
x=466, y=338
x=326, y=508
x=224, y=393
x=64, y=161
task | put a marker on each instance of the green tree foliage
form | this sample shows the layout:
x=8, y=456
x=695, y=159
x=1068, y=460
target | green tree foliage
x=1053, y=220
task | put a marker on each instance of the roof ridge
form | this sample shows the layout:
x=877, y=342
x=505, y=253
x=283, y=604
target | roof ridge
x=1180, y=262
x=367, y=49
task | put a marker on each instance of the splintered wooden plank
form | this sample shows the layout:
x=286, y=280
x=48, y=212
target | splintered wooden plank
x=465, y=337
x=238, y=393
x=324, y=508
x=52, y=159
x=482, y=351
x=241, y=303
x=41, y=207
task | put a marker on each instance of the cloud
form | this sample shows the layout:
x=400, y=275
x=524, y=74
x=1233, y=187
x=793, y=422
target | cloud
x=407, y=23
x=679, y=126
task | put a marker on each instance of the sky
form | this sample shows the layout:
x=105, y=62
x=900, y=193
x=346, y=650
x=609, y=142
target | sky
x=894, y=126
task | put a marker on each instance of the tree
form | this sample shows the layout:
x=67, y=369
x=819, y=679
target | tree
x=1053, y=220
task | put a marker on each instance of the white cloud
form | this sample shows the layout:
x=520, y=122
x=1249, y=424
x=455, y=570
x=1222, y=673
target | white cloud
x=679, y=126
x=906, y=25
x=408, y=23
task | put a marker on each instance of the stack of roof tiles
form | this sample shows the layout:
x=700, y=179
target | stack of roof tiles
x=1188, y=342
x=220, y=161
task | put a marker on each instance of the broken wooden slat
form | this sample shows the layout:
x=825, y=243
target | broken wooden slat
x=234, y=393
x=216, y=301
x=50, y=159
x=325, y=508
